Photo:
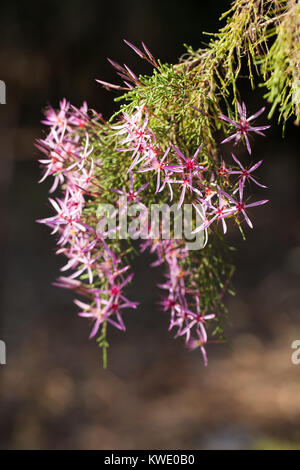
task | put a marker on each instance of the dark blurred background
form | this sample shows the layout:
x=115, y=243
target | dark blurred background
x=53, y=391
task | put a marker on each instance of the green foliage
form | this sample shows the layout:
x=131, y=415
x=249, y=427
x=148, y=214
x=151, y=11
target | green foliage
x=281, y=66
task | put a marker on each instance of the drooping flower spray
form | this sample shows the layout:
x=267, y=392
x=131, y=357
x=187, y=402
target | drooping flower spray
x=162, y=147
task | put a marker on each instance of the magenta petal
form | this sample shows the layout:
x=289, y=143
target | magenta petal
x=247, y=219
x=233, y=136
x=256, y=182
x=204, y=355
x=227, y=119
x=248, y=144
x=181, y=197
x=237, y=161
x=179, y=154
x=254, y=167
x=256, y=114
x=258, y=203
x=95, y=328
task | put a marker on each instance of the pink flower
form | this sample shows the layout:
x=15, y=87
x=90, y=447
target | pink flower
x=79, y=117
x=243, y=126
x=139, y=139
x=169, y=302
x=186, y=164
x=241, y=206
x=220, y=212
x=115, y=289
x=222, y=171
x=130, y=125
x=56, y=158
x=185, y=185
x=108, y=303
x=65, y=221
x=183, y=317
x=195, y=343
x=142, y=151
x=245, y=174
x=198, y=320
x=85, y=262
x=158, y=166
x=83, y=155
x=132, y=195
x=99, y=312
x=109, y=264
x=57, y=119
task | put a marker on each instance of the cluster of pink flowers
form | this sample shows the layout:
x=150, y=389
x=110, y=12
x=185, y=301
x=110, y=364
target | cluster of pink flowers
x=205, y=186
x=69, y=160
x=189, y=322
x=96, y=269
x=198, y=180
